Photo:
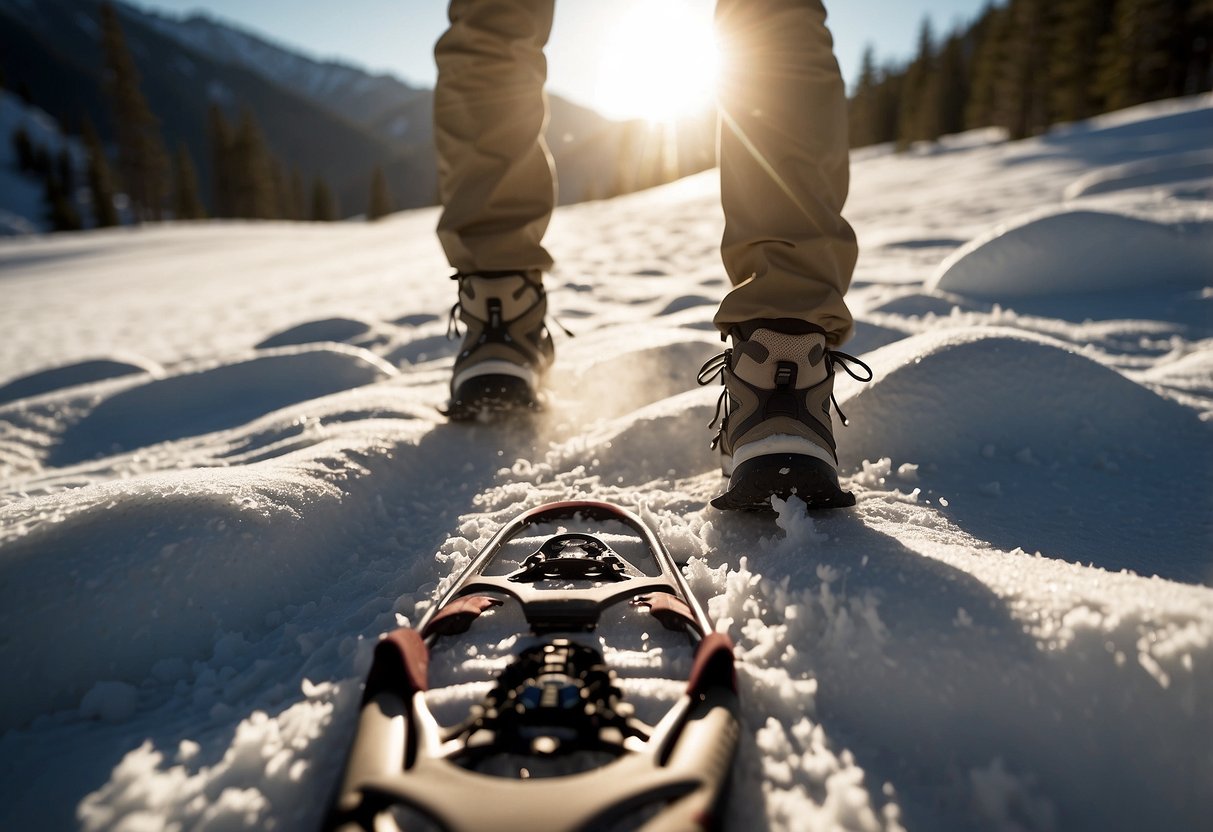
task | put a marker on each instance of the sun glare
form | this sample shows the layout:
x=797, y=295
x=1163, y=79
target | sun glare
x=659, y=64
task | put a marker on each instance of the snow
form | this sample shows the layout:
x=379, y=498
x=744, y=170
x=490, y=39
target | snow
x=71, y=375
x=1073, y=252
x=224, y=475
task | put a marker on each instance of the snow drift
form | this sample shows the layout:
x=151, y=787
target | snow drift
x=225, y=475
x=1080, y=252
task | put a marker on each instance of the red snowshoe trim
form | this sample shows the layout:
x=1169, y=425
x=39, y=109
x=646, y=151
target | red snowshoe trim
x=670, y=610
x=401, y=665
x=713, y=665
x=457, y=616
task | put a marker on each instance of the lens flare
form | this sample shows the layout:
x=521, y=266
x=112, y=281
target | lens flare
x=661, y=64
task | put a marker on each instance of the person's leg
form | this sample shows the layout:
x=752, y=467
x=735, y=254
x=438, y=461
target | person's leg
x=784, y=168
x=497, y=187
x=495, y=174
x=784, y=173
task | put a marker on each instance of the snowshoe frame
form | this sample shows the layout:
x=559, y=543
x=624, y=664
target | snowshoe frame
x=670, y=776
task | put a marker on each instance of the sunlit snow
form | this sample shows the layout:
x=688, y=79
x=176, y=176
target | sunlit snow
x=224, y=475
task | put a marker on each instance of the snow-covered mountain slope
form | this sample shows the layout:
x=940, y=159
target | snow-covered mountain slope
x=225, y=475
x=356, y=94
x=591, y=152
x=24, y=209
x=53, y=48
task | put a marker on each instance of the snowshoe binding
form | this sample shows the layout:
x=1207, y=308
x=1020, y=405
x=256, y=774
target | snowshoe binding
x=520, y=701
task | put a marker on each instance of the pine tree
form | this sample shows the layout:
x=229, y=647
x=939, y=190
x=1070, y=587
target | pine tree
x=380, y=201
x=1198, y=58
x=250, y=166
x=23, y=149
x=324, y=208
x=299, y=201
x=1081, y=29
x=186, y=203
x=283, y=207
x=919, y=114
x=219, y=136
x=888, y=104
x=990, y=34
x=61, y=211
x=142, y=160
x=65, y=170
x=952, y=72
x=42, y=164
x=1147, y=53
x=863, y=116
x=1030, y=63
x=1022, y=104
x=100, y=180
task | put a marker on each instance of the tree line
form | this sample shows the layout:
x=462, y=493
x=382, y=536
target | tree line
x=149, y=185
x=1021, y=65
x=1025, y=65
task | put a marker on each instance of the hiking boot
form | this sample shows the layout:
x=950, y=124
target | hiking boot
x=506, y=347
x=776, y=437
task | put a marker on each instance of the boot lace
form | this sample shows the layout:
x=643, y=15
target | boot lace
x=716, y=366
x=453, y=319
x=712, y=369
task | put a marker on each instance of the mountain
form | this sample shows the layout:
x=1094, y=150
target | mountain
x=594, y=156
x=345, y=90
x=322, y=118
x=22, y=207
x=52, y=49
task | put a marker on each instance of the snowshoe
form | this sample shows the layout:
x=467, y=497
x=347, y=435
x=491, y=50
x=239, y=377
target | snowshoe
x=520, y=701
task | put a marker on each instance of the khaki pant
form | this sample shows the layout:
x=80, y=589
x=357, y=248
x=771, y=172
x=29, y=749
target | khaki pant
x=783, y=153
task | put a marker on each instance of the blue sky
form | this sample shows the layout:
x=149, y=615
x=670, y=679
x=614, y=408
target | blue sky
x=398, y=35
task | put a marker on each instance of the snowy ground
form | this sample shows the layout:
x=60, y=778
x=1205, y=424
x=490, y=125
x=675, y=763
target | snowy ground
x=224, y=475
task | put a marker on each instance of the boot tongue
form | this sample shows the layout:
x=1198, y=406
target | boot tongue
x=514, y=292
x=772, y=360
x=789, y=326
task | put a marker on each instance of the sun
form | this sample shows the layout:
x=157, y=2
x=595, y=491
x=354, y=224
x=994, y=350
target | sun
x=660, y=63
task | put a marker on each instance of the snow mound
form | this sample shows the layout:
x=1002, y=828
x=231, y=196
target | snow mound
x=939, y=304
x=661, y=441
x=170, y=567
x=71, y=375
x=1074, y=252
x=868, y=336
x=313, y=332
x=680, y=304
x=1144, y=173
x=222, y=397
x=611, y=383
x=1010, y=426
x=110, y=702
x=423, y=349
x=185, y=627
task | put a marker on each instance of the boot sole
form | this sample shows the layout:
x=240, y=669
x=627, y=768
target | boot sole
x=492, y=397
x=755, y=481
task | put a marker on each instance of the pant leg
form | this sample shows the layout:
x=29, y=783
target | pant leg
x=784, y=167
x=495, y=174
